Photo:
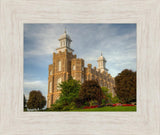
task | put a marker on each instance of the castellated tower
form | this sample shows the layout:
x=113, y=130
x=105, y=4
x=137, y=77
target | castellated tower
x=66, y=64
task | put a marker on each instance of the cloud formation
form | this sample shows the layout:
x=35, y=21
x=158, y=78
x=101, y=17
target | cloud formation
x=117, y=42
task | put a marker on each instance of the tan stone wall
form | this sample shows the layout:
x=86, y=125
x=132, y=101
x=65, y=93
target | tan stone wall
x=77, y=72
x=104, y=79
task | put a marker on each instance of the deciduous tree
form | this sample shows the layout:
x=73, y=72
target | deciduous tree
x=126, y=86
x=69, y=92
x=36, y=100
x=91, y=90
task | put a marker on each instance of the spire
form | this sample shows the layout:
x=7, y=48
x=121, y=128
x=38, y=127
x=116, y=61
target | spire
x=101, y=53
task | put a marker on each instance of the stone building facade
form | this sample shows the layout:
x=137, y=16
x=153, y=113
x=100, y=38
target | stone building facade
x=66, y=64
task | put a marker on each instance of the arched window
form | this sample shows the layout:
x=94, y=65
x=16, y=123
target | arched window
x=74, y=67
x=61, y=43
x=49, y=102
x=58, y=82
x=57, y=97
x=82, y=68
x=59, y=65
x=82, y=80
x=50, y=87
x=50, y=73
x=66, y=43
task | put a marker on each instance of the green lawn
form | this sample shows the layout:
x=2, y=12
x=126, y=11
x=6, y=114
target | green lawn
x=110, y=109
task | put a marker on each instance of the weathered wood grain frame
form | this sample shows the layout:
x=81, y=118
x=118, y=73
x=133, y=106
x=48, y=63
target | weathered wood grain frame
x=14, y=13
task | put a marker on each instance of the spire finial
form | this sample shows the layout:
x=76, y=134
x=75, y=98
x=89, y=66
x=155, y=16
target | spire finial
x=65, y=30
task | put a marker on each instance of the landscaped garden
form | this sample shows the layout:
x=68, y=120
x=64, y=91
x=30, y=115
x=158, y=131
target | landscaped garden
x=89, y=96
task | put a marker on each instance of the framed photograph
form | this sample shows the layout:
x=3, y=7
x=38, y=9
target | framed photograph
x=69, y=72
x=79, y=67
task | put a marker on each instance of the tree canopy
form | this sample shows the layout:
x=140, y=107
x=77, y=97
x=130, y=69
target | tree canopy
x=69, y=92
x=91, y=90
x=126, y=86
x=36, y=100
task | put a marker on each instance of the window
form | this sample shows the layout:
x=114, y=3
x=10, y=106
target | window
x=66, y=43
x=50, y=73
x=82, y=81
x=61, y=43
x=58, y=82
x=82, y=68
x=59, y=66
x=57, y=97
x=49, y=102
x=50, y=87
x=74, y=67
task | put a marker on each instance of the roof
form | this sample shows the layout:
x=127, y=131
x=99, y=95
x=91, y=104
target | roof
x=101, y=58
x=65, y=35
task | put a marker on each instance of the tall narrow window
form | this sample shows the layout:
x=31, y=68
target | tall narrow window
x=50, y=87
x=74, y=67
x=82, y=68
x=59, y=66
x=67, y=43
x=50, y=73
x=58, y=82
x=82, y=80
x=57, y=97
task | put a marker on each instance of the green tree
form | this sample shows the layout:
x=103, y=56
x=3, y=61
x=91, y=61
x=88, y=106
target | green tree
x=91, y=90
x=126, y=86
x=36, y=100
x=109, y=98
x=69, y=92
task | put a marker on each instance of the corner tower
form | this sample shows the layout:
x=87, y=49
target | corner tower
x=102, y=64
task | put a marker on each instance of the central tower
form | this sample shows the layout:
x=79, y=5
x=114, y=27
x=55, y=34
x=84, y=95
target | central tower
x=65, y=42
x=60, y=70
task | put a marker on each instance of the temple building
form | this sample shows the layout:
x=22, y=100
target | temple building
x=66, y=64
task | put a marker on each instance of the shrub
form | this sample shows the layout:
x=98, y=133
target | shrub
x=103, y=102
x=115, y=100
x=93, y=102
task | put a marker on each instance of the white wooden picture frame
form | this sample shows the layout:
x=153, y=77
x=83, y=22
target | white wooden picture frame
x=145, y=121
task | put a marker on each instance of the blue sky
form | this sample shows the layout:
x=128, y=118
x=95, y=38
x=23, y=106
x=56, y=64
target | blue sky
x=117, y=42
